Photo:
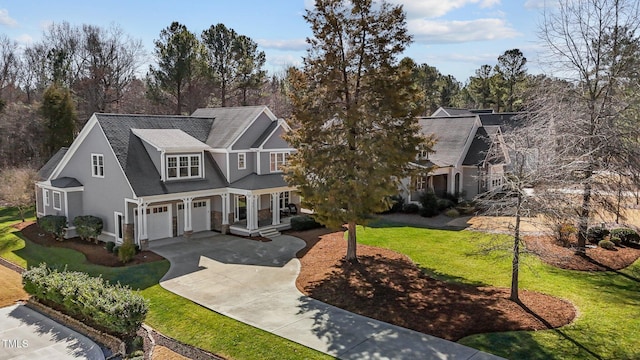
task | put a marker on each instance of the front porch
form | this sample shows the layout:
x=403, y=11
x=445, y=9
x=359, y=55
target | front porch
x=240, y=227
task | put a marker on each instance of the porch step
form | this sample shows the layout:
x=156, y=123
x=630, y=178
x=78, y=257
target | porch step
x=269, y=232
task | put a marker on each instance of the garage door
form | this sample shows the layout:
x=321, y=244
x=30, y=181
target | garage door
x=200, y=219
x=159, y=222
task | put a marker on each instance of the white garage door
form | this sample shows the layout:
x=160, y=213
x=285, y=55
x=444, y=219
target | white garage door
x=200, y=219
x=158, y=222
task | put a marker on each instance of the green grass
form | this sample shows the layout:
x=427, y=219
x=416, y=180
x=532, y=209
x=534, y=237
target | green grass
x=170, y=314
x=608, y=303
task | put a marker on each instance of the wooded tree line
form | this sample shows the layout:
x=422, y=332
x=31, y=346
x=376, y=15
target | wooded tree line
x=83, y=69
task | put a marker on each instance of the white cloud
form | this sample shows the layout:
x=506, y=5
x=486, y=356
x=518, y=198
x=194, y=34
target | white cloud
x=5, y=19
x=447, y=32
x=289, y=45
x=438, y=8
x=24, y=39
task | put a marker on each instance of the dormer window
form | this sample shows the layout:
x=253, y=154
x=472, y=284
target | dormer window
x=423, y=155
x=278, y=161
x=184, y=166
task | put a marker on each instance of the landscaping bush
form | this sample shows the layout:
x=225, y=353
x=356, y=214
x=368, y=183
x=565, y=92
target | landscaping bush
x=114, y=308
x=429, y=203
x=109, y=246
x=466, y=208
x=452, y=213
x=596, y=234
x=116, y=249
x=126, y=252
x=563, y=233
x=396, y=202
x=444, y=204
x=304, y=222
x=53, y=224
x=615, y=240
x=88, y=227
x=411, y=208
x=606, y=244
x=626, y=235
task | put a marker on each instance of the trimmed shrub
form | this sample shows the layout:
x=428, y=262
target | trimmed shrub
x=411, y=208
x=596, y=234
x=452, y=213
x=304, y=222
x=53, y=224
x=109, y=246
x=116, y=249
x=444, y=204
x=563, y=233
x=429, y=203
x=615, y=240
x=126, y=252
x=88, y=227
x=626, y=235
x=607, y=244
x=396, y=202
x=114, y=308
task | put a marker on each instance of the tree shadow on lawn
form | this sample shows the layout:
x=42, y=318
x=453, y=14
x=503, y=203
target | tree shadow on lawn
x=396, y=291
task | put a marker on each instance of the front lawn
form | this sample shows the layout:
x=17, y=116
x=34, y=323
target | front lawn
x=607, y=302
x=168, y=313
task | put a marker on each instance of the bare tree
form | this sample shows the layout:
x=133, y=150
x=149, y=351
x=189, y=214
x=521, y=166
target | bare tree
x=17, y=189
x=9, y=69
x=593, y=44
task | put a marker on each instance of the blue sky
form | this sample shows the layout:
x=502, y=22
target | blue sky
x=455, y=36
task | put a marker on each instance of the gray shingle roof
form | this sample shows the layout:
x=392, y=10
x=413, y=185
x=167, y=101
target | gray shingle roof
x=65, y=183
x=170, y=139
x=506, y=120
x=257, y=182
x=451, y=136
x=229, y=123
x=118, y=127
x=479, y=148
x=47, y=169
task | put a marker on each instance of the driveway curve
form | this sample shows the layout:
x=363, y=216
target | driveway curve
x=254, y=282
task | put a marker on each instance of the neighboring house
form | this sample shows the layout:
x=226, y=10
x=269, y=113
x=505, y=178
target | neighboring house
x=152, y=177
x=468, y=157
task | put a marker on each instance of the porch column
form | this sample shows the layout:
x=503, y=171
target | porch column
x=142, y=221
x=275, y=206
x=430, y=181
x=187, y=215
x=252, y=212
x=225, y=208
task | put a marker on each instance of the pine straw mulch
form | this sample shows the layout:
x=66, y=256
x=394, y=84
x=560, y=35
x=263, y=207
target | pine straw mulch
x=95, y=253
x=388, y=286
x=596, y=258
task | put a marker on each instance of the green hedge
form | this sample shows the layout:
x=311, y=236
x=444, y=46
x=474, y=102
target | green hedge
x=304, y=222
x=626, y=235
x=114, y=308
x=54, y=224
x=88, y=227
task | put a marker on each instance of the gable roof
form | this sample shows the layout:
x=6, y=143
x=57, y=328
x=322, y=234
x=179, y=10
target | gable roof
x=265, y=135
x=45, y=172
x=479, y=148
x=506, y=120
x=452, y=136
x=117, y=129
x=230, y=123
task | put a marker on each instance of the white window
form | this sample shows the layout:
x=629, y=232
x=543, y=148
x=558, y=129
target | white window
x=242, y=161
x=184, y=166
x=284, y=199
x=57, y=201
x=278, y=160
x=423, y=155
x=421, y=183
x=199, y=204
x=97, y=165
x=46, y=197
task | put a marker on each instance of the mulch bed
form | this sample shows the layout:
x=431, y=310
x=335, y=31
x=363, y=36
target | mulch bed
x=388, y=286
x=596, y=259
x=95, y=253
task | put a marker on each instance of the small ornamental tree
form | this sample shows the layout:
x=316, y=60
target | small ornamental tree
x=88, y=227
x=17, y=189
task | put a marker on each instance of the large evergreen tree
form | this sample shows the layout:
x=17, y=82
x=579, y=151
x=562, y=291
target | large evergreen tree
x=59, y=113
x=513, y=70
x=354, y=113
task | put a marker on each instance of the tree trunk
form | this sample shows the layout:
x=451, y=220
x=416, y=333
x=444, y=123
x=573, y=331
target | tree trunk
x=351, y=243
x=515, y=264
x=584, y=219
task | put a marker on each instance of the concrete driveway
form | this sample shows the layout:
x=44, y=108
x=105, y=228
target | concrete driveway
x=254, y=282
x=27, y=334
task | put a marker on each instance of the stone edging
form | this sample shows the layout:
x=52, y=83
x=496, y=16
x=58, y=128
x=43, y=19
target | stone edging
x=12, y=266
x=152, y=338
x=114, y=344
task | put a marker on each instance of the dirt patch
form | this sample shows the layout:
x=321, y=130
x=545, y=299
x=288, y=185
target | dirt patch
x=388, y=286
x=596, y=259
x=95, y=253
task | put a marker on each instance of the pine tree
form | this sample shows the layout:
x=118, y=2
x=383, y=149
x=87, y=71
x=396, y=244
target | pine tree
x=59, y=112
x=354, y=113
